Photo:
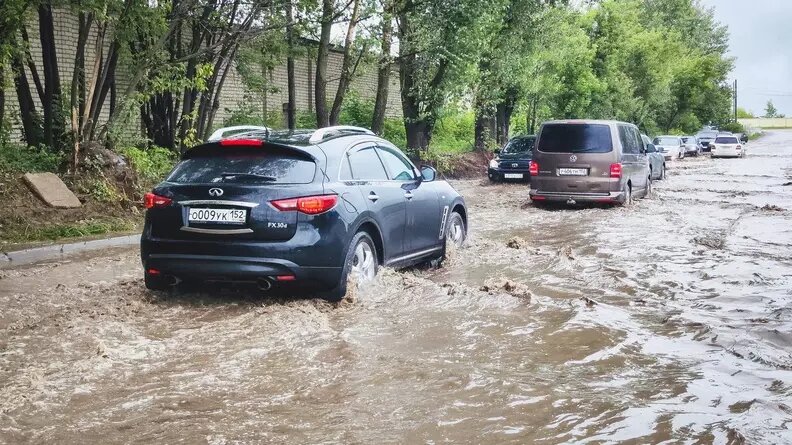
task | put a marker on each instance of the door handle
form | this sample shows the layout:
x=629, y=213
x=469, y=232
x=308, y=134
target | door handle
x=373, y=197
x=408, y=194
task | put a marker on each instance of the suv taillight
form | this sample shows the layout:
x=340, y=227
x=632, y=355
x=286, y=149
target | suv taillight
x=310, y=205
x=615, y=170
x=150, y=200
x=533, y=168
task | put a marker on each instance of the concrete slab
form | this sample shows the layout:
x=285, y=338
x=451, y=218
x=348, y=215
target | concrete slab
x=50, y=189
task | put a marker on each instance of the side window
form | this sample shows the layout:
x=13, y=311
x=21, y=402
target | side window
x=637, y=141
x=625, y=136
x=364, y=164
x=398, y=168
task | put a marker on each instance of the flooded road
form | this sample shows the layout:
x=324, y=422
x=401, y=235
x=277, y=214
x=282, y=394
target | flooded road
x=669, y=321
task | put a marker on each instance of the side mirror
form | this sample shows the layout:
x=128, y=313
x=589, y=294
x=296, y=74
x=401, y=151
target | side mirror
x=650, y=148
x=428, y=173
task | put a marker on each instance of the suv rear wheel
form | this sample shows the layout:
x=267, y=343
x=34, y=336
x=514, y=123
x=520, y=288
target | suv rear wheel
x=156, y=282
x=360, y=266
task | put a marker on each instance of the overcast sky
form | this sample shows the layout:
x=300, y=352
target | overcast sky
x=761, y=42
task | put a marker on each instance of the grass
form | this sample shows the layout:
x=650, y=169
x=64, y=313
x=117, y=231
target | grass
x=21, y=233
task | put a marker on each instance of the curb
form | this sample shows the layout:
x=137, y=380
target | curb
x=57, y=251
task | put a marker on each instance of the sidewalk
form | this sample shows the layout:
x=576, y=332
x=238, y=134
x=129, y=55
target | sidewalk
x=61, y=250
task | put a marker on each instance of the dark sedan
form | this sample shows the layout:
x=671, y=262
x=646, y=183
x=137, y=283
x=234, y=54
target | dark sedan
x=301, y=211
x=513, y=161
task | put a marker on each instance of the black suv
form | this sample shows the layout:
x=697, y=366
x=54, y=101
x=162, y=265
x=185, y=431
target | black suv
x=513, y=161
x=305, y=210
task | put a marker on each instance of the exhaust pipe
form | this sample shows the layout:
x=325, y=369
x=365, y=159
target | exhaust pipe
x=264, y=284
x=172, y=280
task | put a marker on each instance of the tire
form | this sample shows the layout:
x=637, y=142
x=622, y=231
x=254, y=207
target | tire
x=648, y=193
x=663, y=172
x=628, y=199
x=361, y=248
x=156, y=283
x=456, y=231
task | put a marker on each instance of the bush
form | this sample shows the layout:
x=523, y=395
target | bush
x=733, y=127
x=21, y=158
x=454, y=133
x=152, y=164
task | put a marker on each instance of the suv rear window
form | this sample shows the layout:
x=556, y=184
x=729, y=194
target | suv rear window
x=267, y=165
x=575, y=138
x=727, y=140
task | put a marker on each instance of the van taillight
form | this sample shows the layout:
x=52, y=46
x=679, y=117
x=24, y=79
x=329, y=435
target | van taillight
x=533, y=168
x=150, y=200
x=616, y=170
x=310, y=205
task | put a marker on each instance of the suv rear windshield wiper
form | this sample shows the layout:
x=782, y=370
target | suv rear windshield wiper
x=248, y=176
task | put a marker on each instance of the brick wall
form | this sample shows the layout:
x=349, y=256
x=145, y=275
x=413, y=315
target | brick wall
x=233, y=93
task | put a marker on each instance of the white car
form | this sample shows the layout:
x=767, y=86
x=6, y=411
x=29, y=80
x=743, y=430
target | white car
x=727, y=146
x=671, y=147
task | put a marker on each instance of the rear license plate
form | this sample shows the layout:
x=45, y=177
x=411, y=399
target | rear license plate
x=572, y=171
x=216, y=216
x=513, y=175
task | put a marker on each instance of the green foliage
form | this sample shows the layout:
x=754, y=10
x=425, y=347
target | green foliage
x=453, y=133
x=771, y=111
x=24, y=159
x=152, y=164
x=89, y=227
x=742, y=113
x=733, y=127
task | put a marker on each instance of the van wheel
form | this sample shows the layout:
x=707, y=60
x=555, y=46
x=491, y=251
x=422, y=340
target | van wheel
x=627, y=199
x=360, y=266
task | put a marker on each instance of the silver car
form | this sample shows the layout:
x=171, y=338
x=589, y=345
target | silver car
x=691, y=145
x=657, y=165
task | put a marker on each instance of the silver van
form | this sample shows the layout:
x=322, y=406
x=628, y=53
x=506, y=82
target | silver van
x=578, y=161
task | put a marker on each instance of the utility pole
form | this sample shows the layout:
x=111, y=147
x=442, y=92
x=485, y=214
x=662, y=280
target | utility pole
x=735, y=100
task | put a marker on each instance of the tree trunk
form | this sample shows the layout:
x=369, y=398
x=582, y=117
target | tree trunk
x=383, y=74
x=291, y=108
x=484, y=127
x=346, y=65
x=53, y=121
x=504, y=111
x=322, y=116
x=31, y=122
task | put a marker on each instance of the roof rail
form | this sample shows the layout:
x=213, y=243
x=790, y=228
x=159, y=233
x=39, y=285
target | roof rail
x=220, y=133
x=320, y=134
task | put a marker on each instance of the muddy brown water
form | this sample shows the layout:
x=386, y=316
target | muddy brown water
x=670, y=321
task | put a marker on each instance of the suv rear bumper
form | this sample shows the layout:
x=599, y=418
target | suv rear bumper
x=315, y=262
x=241, y=269
x=573, y=198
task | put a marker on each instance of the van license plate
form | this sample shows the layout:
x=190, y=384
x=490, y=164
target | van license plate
x=572, y=171
x=513, y=175
x=216, y=216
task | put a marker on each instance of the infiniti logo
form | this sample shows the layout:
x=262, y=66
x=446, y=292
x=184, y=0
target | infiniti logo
x=573, y=158
x=215, y=192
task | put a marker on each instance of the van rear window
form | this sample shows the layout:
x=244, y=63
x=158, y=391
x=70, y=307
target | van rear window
x=727, y=140
x=575, y=138
x=257, y=165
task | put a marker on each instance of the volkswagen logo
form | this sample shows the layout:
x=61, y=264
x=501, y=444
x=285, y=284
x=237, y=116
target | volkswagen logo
x=573, y=158
x=515, y=165
x=215, y=192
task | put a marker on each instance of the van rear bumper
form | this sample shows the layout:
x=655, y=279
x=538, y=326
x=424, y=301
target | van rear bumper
x=573, y=198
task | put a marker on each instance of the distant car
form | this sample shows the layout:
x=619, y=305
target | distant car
x=704, y=138
x=512, y=162
x=657, y=168
x=691, y=146
x=670, y=146
x=727, y=146
x=577, y=161
x=296, y=211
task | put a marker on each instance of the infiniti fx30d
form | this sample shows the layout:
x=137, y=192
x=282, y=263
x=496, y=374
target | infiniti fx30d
x=296, y=211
